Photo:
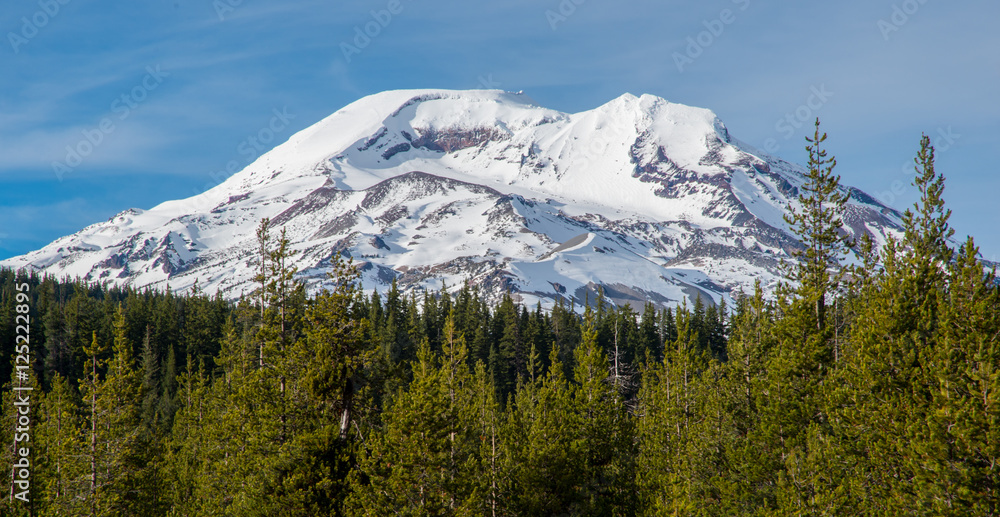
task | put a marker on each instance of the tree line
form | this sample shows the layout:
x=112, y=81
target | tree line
x=867, y=384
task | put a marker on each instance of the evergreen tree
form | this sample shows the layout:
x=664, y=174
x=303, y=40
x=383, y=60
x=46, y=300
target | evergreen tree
x=648, y=343
x=667, y=329
x=670, y=412
x=491, y=497
x=59, y=438
x=956, y=448
x=803, y=357
x=883, y=416
x=543, y=442
x=566, y=333
x=59, y=358
x=123, y=474
x=190, y=453
x=151, y=419
x=510, y=362
x=317, y=381
x=818, y=224
x=621, y=350
x=426, y=459
x=18, y=420
x=606, y=432
x=747, y=481
x=925, y=248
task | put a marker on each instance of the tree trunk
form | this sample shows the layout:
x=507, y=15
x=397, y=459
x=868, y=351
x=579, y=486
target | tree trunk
x=346, y=399
x=93, y=440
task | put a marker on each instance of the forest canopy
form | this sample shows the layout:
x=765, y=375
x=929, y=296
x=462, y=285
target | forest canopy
x=866, y=385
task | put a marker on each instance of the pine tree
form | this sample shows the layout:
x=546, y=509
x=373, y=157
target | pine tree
x=715, y=330
x=881, y=424
x=670, y=412
x=19, y=419
x=202, y=327
x=566, y=332
x=90, y=390
x=301, y=437
x=804, y=355
x=491, y=496
x=818, y=225
x=747, y=482
x=58, y=354
x=545, y=448
x=954, y=450
x=606, y=431
x=262, y=277
x=123, y=474
x=667, y=329
x=150, y=388
x=189, y=455
x=648, y=336
x=166, y=407
x=59, y=437
x=213, y=453
x=510, y=360
x=426, y=459
x=926, y=251
x=334, y=345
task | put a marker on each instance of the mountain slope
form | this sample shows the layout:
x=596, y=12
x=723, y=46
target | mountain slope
x=648, y=199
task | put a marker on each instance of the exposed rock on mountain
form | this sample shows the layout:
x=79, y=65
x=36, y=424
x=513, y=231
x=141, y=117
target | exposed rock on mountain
x=646, y=199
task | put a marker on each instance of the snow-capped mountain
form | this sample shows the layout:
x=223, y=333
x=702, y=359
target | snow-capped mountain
x=648, y=199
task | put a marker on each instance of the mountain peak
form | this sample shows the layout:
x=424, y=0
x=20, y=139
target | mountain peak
x=647, y=199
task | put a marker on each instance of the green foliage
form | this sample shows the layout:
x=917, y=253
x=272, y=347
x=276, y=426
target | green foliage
x=868, y=390
x=426, y=459
x=673, y=479
x=545, y=450
x=819, y=226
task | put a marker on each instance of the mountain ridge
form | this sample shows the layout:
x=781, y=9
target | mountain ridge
x=660, y=202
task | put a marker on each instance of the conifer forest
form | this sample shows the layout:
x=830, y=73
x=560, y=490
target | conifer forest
x=865, y=384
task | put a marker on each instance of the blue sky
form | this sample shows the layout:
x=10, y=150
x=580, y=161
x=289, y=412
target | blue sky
x=158, y=96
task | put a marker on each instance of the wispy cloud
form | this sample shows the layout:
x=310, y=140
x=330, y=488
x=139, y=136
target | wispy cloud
x=940, y=68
